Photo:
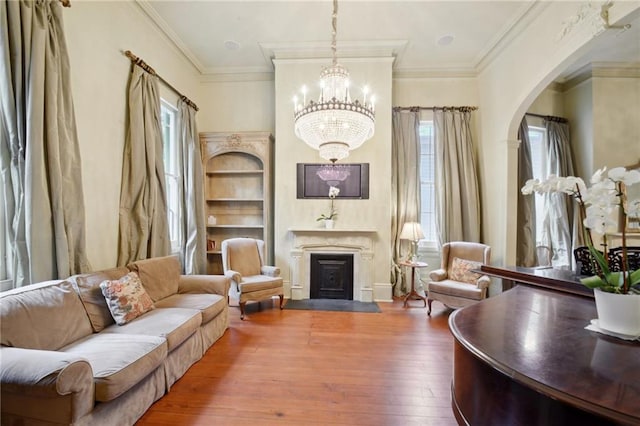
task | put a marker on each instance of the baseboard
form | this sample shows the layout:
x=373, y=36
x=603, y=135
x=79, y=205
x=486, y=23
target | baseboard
x=382, y=292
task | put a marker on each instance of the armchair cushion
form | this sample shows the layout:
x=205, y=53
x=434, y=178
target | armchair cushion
x=461, y=270
x=258, y=283
x=456, y=289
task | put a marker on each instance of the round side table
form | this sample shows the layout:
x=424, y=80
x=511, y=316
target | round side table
x=413, y=294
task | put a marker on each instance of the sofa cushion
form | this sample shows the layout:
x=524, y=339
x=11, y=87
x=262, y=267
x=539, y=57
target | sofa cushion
x=119, y=361
x=88, y=287
x=209, y=305
x=461, y=270
x=126, y=298
x=173, y=324
x=457, y=289
x=43, y=316
x=159, y=275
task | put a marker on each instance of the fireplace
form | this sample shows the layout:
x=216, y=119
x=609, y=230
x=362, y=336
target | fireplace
x=331, y=276
x=356, y=243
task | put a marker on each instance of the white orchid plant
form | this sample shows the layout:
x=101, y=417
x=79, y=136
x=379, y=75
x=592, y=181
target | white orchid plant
x=333, y=193
x=596, y=204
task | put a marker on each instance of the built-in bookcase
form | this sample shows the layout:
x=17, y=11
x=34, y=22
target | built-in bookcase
x=238, y=190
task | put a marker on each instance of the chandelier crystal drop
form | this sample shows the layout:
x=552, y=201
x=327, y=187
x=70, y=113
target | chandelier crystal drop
x=333, y=174
x=335, y=124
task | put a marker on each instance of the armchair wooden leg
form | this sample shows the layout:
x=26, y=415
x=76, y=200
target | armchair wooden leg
x=242, y=309
x=429, y=306
x=281, y=301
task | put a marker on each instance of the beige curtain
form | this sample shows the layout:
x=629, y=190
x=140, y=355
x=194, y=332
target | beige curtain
x=144, y=231
x=40, y=156
x=457, y=196
x=526, y=237
x=193, y=251
x=405, y=185
x=560, y=225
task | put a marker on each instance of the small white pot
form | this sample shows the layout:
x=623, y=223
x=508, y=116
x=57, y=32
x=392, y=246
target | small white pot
x=619, y=313
x=328, y=223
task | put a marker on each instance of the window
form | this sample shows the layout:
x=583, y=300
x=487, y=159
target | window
x=537, y=143
x=427, y=183
x=171, y=172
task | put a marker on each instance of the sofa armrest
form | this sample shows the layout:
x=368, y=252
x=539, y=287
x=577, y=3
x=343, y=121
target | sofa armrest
x=270, y=271
x=483, y=282
x=207, y=284
x=31, y=378
x=438, y=275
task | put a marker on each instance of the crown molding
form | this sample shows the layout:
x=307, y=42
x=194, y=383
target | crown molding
x=527, y=13
x=164, y=27
x=602, y=70
x=242, y=76
x=440, y=72
x=321, y=49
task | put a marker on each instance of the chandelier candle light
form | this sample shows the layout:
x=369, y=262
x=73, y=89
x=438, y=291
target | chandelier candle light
x=335, y=124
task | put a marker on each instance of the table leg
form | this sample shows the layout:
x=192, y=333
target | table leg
x=413, y=293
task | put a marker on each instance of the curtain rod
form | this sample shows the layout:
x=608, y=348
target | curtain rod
x=445, y=108
x=142, y=64
x=66, y=3
x=548, y=117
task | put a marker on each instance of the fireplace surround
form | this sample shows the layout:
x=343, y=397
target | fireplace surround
x=307, y=241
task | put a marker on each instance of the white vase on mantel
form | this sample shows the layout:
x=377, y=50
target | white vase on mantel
x=619, y=313
x=328, y=223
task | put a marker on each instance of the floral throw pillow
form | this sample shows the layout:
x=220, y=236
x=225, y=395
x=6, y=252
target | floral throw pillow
x=461, y=270
x=126, y=298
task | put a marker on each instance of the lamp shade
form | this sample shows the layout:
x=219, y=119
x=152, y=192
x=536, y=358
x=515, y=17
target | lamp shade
x=411, y=231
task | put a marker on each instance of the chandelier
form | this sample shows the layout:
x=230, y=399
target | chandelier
x=335, y=124
x=333, y=174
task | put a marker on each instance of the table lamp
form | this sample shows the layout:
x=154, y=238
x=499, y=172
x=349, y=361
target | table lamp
x=412, y=231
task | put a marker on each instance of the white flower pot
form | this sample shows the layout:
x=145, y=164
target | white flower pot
x=619, y=313
x=328, y=223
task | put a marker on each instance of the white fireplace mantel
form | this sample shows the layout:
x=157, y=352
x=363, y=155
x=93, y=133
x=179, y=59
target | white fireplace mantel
x=359, y=242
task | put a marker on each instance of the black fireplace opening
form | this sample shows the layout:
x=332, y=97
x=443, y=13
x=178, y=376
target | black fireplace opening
x=331, y=276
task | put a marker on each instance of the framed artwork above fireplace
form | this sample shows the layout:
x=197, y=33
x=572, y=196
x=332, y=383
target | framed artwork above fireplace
x=314, y=179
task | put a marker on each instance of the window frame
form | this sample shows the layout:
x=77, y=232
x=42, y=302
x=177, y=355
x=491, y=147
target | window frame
x=172, y=171
x=429, y=229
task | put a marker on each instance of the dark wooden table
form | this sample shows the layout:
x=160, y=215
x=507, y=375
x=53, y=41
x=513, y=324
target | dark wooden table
x=413, y=294
x=556, y=279
x=524, y=358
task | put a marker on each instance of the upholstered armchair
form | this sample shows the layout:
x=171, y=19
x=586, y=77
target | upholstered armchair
x=454, y=284
x=251, y=279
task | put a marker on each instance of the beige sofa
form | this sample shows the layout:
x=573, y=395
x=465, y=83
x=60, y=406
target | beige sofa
x=63, y=360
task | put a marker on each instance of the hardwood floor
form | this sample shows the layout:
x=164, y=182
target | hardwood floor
x=296, y=367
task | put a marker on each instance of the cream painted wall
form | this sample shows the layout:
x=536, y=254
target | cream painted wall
x=237, y=106
x=96, y=33
x=373, y=213
x=579, y=111
x=549, y=102
x=616, y=121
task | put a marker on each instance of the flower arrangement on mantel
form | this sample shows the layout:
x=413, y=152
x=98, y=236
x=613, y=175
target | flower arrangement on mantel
x=596, y=205
x=333, y=193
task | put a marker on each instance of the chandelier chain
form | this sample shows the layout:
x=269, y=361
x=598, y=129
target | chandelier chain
x=334, y=32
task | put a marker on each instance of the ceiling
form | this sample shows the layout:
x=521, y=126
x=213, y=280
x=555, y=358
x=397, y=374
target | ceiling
x=243, y=36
